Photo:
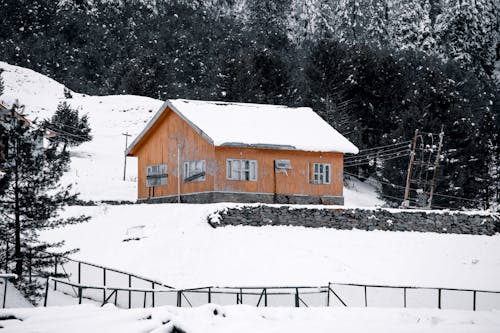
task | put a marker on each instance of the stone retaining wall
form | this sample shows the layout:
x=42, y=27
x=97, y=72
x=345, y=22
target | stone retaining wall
x=365, y=219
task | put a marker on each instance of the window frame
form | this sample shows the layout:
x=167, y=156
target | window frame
x=230, y=164
x=321, y=171
x=160, y=175
x=187, y=171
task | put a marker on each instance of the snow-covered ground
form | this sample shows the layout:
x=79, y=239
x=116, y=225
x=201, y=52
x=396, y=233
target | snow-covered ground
x=97, y=166
x=231, y=319
x=177, y=246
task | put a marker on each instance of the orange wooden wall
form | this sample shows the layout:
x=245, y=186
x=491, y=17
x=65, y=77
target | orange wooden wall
x=170, y=131
x=297, y=180
x=160, y=146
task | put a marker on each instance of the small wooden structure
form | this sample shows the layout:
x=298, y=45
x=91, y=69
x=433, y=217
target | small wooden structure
x=198, y=151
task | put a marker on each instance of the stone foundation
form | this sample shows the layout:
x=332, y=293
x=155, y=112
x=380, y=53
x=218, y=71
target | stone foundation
x=365, y=219
x=245, y=197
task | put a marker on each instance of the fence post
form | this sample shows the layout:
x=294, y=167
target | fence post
x=179, y=298
x=79, y=272
x=6, y=281
x=55, y=271
x=265, y=296
x=404, y=297
x=209, y=295
x=328, y=295
x=153, y=294
x=130, y=291
x=474, y=300
x=46, y=292
x=366, y=299
x=79, y=295
x=104, y=283
x=439, y=298
x=297, y=298
x=116, y=295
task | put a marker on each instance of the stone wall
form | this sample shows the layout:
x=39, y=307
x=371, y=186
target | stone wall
x=365, y=219
x=246, y=197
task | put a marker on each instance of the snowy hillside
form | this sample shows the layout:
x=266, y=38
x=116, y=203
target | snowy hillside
x=174, y=244
x=97, y=166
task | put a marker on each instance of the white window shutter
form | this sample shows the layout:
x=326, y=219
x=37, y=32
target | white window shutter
x=253, y=170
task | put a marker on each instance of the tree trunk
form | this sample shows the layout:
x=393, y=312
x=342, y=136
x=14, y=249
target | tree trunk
x=17, y=224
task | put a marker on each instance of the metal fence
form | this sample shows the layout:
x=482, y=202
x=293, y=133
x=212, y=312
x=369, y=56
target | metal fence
x=334, y=294
x=84, y=280
x=6, y=278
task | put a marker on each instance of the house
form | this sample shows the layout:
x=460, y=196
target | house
x=199, y=151
x=4, y=112
x=5, y=116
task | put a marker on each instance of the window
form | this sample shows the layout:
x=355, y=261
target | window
x=156, y=175
x=321, y=173
x=194, y=171
x=241, y=169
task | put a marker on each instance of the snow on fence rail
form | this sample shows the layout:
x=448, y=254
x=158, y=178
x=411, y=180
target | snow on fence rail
x=334, y=294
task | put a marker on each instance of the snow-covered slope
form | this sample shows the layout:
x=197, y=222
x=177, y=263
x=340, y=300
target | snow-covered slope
x=97, y=166
x=243, y=319
x=175, y=244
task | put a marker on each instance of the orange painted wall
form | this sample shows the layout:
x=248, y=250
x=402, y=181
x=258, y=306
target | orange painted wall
x=160, y=146
x=297, y=180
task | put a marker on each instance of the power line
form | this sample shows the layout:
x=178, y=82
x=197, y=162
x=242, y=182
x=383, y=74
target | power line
x=391, y=145
x=64, y=133
x=415, y=189
x=383, y=151
x=382, y=158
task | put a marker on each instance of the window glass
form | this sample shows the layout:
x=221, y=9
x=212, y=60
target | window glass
x=156, y=175
x=194, y=170
x=241, y=169
x=321, y=174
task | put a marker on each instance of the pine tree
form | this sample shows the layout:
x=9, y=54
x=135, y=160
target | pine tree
x=33, y=197
x=467, y=32
x=411, y=26
x=70, y=129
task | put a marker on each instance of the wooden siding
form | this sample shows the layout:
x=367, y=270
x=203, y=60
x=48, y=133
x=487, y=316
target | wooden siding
x=160, y=146
x=297, y=180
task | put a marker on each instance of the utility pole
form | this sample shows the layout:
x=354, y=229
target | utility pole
x=125, y=154
x=406, y=200
x=436, y=164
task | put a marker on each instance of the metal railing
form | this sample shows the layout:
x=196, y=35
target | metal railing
x=78, y=271
x=6, y=278
x=334, y=294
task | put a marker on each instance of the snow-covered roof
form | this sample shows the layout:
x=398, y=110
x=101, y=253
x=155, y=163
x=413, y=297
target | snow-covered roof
x=256, y=125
